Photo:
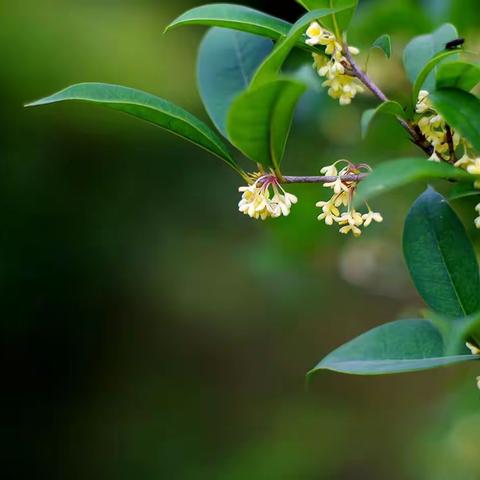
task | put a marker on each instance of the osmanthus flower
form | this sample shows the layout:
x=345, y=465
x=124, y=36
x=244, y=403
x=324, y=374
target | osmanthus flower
x=473, y=348
x=477, y=219
x=434, y=128
x=265, y=198
x=371, y=216
x=343, y=88
x=332, y=65
x=350, y=220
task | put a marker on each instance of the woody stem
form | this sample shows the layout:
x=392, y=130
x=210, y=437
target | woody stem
x=357, y=72
x=323, y=179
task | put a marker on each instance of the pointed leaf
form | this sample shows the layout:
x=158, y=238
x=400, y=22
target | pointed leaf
x=273, y=63
x=236, y=17
x=401, y=346
x=390, y=108
x=440, y=257
x=226, y=63
x=338, y=22
x=384, y=43
x=426, y=71
x=396, y=173
x=461, y=75
x=421, y=49
x=461, y=110
x=260, y=119
x=146, y=107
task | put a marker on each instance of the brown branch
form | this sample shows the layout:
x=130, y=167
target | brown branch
x=355, y=71
x=323, y=179
x=451, y=147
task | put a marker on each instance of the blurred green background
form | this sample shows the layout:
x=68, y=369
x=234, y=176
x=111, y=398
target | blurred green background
x=151, y=331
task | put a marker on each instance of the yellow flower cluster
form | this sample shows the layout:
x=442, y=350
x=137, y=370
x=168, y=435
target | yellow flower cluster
x=433, y=126
x=343, y=191
x=331, y=65
x=258, y=202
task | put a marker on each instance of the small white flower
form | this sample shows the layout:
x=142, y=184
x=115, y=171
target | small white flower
x=256, y=201
x=464, y=161
x=329, y=213
x=352, y=218
x=351, y=228
x=423, y=102
x=337, y=186
x=371, y=216
x=473, y=348
x=314, y=33
x=474, y=167
x=329, y=170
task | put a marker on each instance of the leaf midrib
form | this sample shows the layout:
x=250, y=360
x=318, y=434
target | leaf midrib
x=453, y=285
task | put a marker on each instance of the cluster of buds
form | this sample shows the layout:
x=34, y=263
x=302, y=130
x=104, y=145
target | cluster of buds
x=332, y=65
x=471, y=164
x=342, y=199
x=265, y=198
x=435, y=129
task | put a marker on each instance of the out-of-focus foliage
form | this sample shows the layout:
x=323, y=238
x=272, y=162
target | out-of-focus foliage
x=150, y=330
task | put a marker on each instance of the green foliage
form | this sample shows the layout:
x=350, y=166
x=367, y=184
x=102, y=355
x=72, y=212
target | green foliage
x=147, y=107
x=384, y=43
x=240, y=83
x=396, y=173
x=444, y=268
x=460, y=110
x=337, y=22
x=462, y=190
x=260, y=119
x=401, y=346
x=461, y=75
x=422, y=49
x=427, y=70
x=440, y=257
x=390, y=108
x=236, y=17
x=227, y=60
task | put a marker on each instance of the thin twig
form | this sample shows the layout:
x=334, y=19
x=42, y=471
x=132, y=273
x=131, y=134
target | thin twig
x=357, y=72
x=451, y=147
x=323, y=179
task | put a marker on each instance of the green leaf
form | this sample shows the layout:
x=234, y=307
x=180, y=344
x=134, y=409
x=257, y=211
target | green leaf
x=461, y=110
x=421, y=49
x=461, y=75
x=236, y=17
x=338, y=22
x=426, y=71
x=396, y=173
x=146, y=107
x=226, y=63
x=401, y=346
x=390, y=108
x=384, y=43
x=440, y=257
x=273, y=63
x=462, y=190
x=260, y=119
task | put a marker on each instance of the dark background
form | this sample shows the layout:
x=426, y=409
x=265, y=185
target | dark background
x=151, y=331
